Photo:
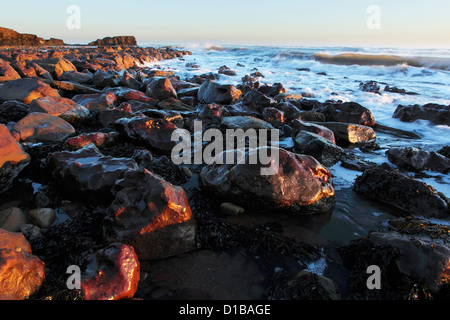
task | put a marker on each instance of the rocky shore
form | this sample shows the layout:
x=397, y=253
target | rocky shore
x=86, y=180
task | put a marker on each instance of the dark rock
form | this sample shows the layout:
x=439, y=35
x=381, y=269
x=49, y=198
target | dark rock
x=87, y=172
x=300, y=185
x=97, y=101
x=26, y=90
x=273, y=116
x=160, y=88
x=348, y=112
x=212, y=92
x=258, y=100
x=409, y=195
x=152, y=215
x=324, y=151
x=13, y=111
x=435, y=113
x=77, y=77
x=348, y=133
x=370, y=86
x=398, y=90
x=299, y=125
x=414, y=159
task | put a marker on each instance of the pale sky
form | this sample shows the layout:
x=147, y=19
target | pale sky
x=402, y=23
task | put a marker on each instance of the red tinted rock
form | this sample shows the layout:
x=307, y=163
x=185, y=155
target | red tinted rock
x=21, y=273
x=299, y=125
x=7, y=73
x=300, y=185
x=61, y=107
x=152, y=215
x=12, y=158
x=97, y=138
x=43, y=127
x=115, y=41
x=97, y=101
x=273, y=116
x=346, y=133
x=160, y=88
x=56, y=66
x=112, y=273
x=26, y=90
x=153, y=133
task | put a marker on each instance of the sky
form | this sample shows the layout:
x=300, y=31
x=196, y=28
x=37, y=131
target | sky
x=393, y=23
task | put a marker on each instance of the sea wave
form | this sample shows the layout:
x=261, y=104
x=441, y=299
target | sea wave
x=383, y=60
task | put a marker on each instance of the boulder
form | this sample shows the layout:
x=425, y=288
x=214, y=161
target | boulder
x=12, y=218
x=245, y=123
x=13, y=111
x=324, y=151
x=273, y=116
x=72, y=88
x=411, y=196
x=160, y=88
x=112, y=273
x=102, y=79
x=300, y=185
x=299, y=125
x=99, y=139
x=435, y=113
x=152, y=215
x=61, y=107
x=349, y=133
x=21, y=273
x=77, y=77
x=26, y=90
x=97, y=101
x=42, y=217
x=43, y=127
x=13, y=159
x=153, y=133
x=212, y=92
x=347, y=112
x=7, y=73
x=414, y=159
x=87, y=172
x=56, y=66
x=258, y=100
x=370, y=86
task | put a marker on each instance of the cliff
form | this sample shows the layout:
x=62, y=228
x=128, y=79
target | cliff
x=9, y=37
x=115, y=41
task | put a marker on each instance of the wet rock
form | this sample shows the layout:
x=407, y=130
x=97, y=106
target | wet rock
x=43, y=127
x=127, y=94
x=275, y=91
x=102, y=79
x=112, y=273
x=311, y=116
x=13, y=111
x=22, y=274
x=324, y=151
x=87, y=172
x=77, y=77
x=71, y=88
x=421, y=259
x=291, y=112
x=151, y=132
x=152, y=215
x=56, y=66
x=258, y=100
x=273, y=116
x=348, y=133
x=99, y=139
x=445, y=151
x=43, y=217
x=160, y=88
x=226, y=71
x=212, y=92
x=300, y=185
x=12, y=218
x=435, y=113
x=61, y=107
x=231, y=209
x=370, y=86
x=398, y=90
x=299, y=125
x=409, y=195
x=174, y=104
x=26, y=90
x=347, y=112
x=7, y=73
x=97, y=101
x=245, y=123
x=414, y=159
x=13, y=159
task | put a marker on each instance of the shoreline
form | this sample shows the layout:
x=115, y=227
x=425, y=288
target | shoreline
x=86, y=205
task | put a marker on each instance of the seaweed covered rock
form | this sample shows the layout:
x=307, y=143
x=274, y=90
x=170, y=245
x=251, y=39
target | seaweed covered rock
x=152, y=215
x=409, y=195
x=300, y=185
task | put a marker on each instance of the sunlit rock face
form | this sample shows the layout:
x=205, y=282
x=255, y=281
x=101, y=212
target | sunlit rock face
x=12, y=158
x=26, y=90
x=112, y=273
x=300, y=185
x=21, y=273
x=152, y=215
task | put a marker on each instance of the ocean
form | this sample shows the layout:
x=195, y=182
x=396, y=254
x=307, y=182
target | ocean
x=335, y=73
